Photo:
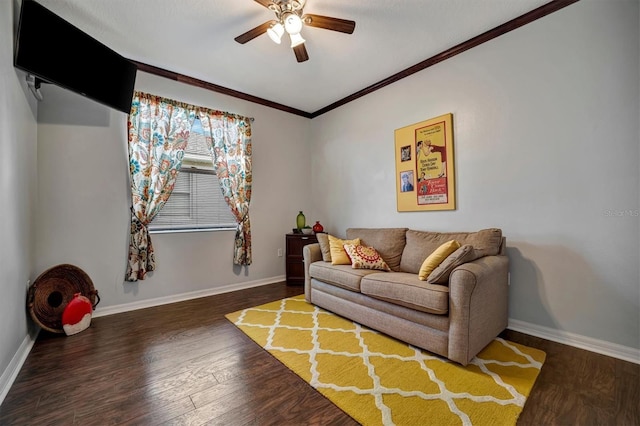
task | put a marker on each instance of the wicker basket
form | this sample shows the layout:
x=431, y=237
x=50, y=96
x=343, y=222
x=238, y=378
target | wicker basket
x=53, y=289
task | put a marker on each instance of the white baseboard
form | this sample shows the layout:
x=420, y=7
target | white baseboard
x=588, y=343
x=12, y=370
x=111, y=310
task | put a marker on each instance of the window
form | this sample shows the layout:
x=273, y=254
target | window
x=196, y=203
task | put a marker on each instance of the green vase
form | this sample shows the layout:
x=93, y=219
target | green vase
x=300, y=220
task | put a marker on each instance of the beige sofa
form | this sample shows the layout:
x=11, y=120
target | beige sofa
x=455, y=313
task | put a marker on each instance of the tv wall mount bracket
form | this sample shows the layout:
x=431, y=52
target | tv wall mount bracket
x=34, y=85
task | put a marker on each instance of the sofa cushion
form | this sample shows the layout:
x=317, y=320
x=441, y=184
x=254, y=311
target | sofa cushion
x=440, y=275
x=363, y=257
x=389, y=242
x=438, y=322
x=339, y=275
x=338, y=254
x=436, y=258
x=407, y=290
x=420, y=244
x=325, y=248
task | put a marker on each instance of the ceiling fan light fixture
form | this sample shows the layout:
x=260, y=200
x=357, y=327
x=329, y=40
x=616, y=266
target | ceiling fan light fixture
x=275, y=32
x=292, y=23
x=290, y=18
x=296, y=40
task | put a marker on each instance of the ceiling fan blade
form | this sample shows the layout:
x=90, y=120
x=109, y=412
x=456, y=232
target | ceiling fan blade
x=301, y=53
x=265, y=3
x=329, y=23
x=253, y=33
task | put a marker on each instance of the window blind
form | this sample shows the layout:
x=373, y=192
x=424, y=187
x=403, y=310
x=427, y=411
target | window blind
x=196, y=202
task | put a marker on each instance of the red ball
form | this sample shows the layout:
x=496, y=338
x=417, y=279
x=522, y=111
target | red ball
x=76, y=315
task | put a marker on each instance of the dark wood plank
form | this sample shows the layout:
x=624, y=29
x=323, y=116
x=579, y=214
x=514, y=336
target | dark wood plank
x=578, y=387
x=185, y=362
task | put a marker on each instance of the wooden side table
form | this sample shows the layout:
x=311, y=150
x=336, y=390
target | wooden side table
x=295, y=262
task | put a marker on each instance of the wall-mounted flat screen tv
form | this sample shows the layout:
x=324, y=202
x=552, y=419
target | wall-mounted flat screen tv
x=55, y=51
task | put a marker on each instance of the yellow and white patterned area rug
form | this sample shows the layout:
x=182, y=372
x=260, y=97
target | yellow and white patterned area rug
x=378, y=380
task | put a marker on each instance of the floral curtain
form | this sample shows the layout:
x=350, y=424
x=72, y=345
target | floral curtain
x=158, y=130
x=229, y=140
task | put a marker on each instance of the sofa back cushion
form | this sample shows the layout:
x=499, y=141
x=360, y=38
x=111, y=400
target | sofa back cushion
x=420, y=244
x=389, y=242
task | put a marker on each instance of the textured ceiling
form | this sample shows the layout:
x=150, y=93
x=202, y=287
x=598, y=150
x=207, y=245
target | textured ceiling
x=196, y=38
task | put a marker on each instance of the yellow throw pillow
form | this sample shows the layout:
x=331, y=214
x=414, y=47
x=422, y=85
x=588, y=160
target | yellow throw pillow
x=436, y=258
x=338, y=254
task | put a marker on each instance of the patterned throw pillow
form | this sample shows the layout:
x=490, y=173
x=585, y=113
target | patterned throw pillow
x=363, y=257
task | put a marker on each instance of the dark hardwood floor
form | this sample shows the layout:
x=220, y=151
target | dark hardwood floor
x=185, y=363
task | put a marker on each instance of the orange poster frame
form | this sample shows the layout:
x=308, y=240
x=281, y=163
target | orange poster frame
x=425, y=165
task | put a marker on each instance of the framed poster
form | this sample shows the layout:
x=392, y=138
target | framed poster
x=425, y=172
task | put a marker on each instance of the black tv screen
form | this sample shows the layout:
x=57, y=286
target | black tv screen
x=55, y=51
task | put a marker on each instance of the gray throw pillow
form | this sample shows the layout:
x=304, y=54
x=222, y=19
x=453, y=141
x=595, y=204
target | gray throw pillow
x=440, y=275
x=325, y=248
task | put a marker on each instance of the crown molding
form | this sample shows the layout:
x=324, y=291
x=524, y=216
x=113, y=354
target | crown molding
x=511, y=25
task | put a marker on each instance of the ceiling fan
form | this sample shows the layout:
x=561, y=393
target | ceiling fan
x=290, y=19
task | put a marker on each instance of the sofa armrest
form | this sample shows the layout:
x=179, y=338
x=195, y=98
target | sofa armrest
x=310, y=253
x=478, y=305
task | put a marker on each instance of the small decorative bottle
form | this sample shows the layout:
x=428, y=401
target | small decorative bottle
x=300, y=220
x=318, y=227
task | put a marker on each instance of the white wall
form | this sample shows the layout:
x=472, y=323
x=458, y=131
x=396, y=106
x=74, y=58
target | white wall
x=546, y=147
x=84, y=201
x=18, y=194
